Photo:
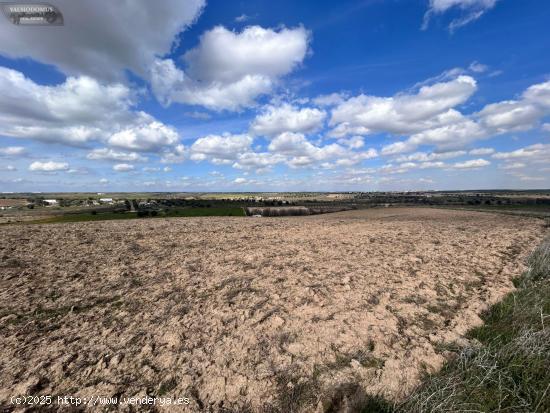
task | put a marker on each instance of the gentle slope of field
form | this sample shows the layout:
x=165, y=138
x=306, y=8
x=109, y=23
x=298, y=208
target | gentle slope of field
x=504, y=365
x=282, y=313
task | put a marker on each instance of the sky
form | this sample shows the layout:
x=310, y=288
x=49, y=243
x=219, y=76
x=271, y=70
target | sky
x=195, y=95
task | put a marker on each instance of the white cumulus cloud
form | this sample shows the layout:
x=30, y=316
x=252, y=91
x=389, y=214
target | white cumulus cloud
x=108, y=154
x=123, y=167
x=148, y=136
x=229, y=70
x=471, y=164
x=287, y=118
x=77, y=112
x=101, y=38
x=403, y=113
x=48, y=166
x=12, y=151
x=220, y=148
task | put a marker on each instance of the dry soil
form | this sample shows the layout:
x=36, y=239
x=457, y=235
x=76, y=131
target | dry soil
x=248, y=312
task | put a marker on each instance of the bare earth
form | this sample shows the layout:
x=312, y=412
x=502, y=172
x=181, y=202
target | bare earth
x=230, y=311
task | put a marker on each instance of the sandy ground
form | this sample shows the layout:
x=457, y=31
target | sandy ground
x=258, y=312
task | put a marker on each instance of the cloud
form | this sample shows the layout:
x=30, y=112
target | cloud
x=220, y=149
x=296, y=145
x=428, y=157
x=354, y=142
x=331, y=99
x=72, y=112
x=513, y=166
x=261, y=161
x=301, y=152
x=107, y=154
x=518, y=115
x=77, y=112
x=453, y=130
x=482, y=151
x=123, y=167
x=176, y=154
x=292, y=144
x=12, y=151
x=287, y=118
x=242, y=18
x=79, y=171
x=527, y=178
x=8, y=168
x=471, y=164
x=403, y=113
x=49, y=166
x=102, y=38
x=537, y=152
x=471, y=11
x=477, y=67
x=510, y=116
x=229, y=70
x=404, y=167
x=147, y=136
x=291, y=148
x=454, y=135
x=198, y=115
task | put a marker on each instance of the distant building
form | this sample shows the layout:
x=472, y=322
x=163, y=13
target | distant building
x=106, y=200
x=51, y=202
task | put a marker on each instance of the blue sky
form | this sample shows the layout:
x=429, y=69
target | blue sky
x=293, y=96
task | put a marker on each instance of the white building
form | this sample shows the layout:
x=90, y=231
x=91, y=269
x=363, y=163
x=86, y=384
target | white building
x=106, y=200
x=50, y=202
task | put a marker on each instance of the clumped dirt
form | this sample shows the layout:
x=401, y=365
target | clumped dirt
x=301, y=313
